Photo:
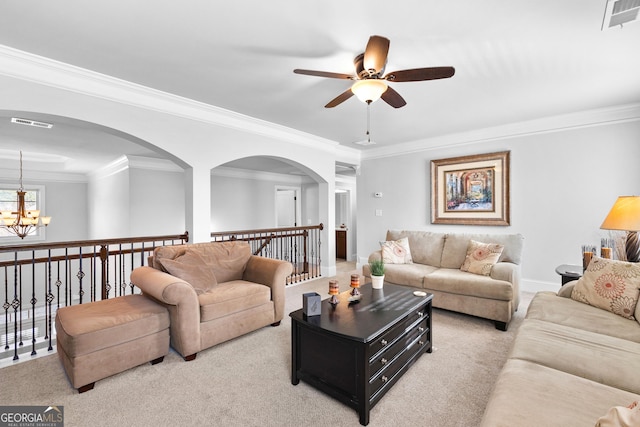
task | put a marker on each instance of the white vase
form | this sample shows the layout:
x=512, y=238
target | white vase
x=377, y=281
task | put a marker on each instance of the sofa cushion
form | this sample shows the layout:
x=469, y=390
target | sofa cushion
x=602, y=358
x=460, y=282
x=396, y=251
x=481, y=257
x=455, y=246
x=407, y=274
x=232, y=297
x=611, y=285
x=87, y=328
x=426, y=247
x=550, y=307
x=530, y=395
x=192, y=268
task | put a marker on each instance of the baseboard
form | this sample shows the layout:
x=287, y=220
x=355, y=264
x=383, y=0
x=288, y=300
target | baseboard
x=529, y=285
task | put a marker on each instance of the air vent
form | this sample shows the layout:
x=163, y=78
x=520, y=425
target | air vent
x=620, y=12
x=28, y=122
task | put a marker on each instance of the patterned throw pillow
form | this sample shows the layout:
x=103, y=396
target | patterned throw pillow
x=396, y=251
x=481, y=257
x=611, y=285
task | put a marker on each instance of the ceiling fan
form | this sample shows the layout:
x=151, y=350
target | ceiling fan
x=370, y=80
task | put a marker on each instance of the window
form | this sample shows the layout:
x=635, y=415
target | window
x=33, y=199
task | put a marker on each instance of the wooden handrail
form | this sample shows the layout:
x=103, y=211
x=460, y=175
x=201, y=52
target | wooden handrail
x=99, y=242
x=268, y=230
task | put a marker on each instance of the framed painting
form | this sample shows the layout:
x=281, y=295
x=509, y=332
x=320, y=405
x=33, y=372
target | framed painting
x=471, y=190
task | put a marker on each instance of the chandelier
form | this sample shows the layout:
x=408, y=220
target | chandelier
x=23, y=221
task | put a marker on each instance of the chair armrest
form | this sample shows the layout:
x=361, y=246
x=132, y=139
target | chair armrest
x=182, y=302
x=273, y=273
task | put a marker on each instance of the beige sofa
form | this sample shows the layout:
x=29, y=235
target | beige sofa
x=570, y=365
x=437, y=258
x=214, y=291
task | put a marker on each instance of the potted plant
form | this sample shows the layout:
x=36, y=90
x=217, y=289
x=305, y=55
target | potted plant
x=377, y=273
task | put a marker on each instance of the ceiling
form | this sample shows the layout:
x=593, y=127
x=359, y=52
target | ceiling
x=515, y=61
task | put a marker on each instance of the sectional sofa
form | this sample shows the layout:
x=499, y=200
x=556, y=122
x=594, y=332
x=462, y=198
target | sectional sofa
x=435, y=263
x=573, y=363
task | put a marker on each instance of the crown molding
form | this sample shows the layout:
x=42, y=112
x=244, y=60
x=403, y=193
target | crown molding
x=236, y=173
x=560, y=123
x=25, y=66
x=125, y=162
x=36, y=176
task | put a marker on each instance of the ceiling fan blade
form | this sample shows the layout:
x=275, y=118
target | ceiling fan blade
x=375, y=56
x=340, y=98
x=393, y=98
x=420, y=74
x=324, y=74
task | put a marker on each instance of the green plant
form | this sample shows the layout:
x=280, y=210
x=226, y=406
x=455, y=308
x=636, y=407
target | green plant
x=377, y=267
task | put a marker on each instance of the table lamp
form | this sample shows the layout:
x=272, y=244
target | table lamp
x=625, y=216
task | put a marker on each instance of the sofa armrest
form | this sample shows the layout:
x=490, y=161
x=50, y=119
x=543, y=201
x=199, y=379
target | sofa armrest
x=375, y=256
x=273, y=273
x=182, y=302
x=509, y=272
x=566, y=289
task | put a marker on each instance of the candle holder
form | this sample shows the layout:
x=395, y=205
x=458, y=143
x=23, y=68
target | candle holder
x=334, y=290
x=587, y=253
x=355, y=284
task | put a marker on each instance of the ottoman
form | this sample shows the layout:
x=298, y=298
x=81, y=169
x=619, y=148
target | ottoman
x=103, y=338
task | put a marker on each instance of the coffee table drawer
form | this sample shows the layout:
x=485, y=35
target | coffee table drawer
x=387, y=355
x=387, y=376
x=387, y=338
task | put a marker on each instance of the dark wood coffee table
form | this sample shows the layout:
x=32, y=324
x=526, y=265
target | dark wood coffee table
x=357, y=352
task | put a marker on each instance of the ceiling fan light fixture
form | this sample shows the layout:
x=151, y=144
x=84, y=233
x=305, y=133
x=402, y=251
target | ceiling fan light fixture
x=369, y=90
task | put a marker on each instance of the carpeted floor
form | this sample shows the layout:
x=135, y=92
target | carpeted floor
x=246, y=381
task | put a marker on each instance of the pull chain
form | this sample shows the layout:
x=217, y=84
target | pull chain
x=368, y=122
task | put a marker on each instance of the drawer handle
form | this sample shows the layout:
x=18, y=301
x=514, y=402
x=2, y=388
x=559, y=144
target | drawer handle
x=383, y=342
x=420, y=314
x=421, y=329
x=384, y=361
x=384, y=379
x=421, y=342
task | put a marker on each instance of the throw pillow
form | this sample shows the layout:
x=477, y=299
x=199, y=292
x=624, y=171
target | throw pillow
x=611, y=285
x=481, y=257
x=396, y=251
x=192, y=268
x=227, y=259
x=621, y=416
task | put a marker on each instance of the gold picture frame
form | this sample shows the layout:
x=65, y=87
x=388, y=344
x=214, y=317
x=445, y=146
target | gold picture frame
x=471, y=190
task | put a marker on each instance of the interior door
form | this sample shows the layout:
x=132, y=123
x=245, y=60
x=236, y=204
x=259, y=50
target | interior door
x=286, y=207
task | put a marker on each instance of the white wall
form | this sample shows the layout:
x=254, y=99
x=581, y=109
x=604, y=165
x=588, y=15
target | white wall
x=108, y=201
x=156, y=202
x=310, y=204
x=563, y=184
x=241, y=203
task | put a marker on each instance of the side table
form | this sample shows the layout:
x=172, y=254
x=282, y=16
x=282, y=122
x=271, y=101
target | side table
x=569, y=272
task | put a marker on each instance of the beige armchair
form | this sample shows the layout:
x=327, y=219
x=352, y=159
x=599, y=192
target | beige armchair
x=214, y=292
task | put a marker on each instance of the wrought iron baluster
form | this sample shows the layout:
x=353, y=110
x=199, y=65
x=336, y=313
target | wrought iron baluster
x=6, y=307
x=50, y=299
x=33, y=302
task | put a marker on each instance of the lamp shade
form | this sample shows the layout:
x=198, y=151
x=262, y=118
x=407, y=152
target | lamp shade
x=369, y=90
x=624, y=215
